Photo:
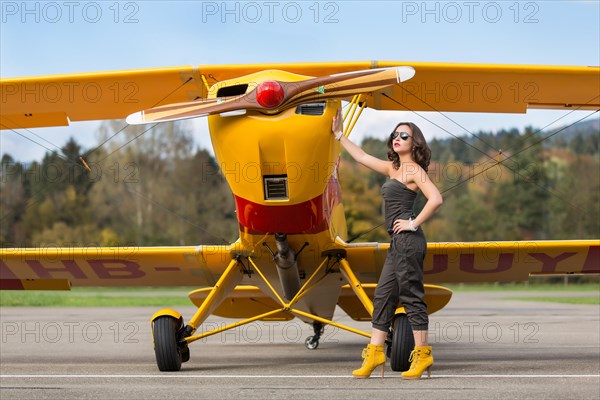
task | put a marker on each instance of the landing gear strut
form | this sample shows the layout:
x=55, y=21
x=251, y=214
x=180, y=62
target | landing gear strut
x=312, y=342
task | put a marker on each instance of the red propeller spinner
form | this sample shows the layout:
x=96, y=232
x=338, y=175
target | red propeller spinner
x=269, y=94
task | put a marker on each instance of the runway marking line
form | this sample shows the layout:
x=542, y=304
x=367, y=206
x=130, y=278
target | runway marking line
x=281, y=376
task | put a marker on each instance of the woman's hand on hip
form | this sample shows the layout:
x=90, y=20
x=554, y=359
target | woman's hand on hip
x=401, y=225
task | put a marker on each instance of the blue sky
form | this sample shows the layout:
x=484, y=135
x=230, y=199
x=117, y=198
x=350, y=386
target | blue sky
x=40, y=38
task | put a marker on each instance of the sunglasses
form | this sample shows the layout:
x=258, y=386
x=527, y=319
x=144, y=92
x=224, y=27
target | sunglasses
x=403, y=135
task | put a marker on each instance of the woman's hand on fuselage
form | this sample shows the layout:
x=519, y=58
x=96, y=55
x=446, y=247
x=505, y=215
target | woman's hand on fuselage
x=374, y=163
x=336, y=125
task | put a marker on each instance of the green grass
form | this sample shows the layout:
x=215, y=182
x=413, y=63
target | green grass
x=167, y=297
x=97, y=297
x=523, y=287
x=566, y=300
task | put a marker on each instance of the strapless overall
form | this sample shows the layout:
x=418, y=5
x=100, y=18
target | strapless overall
x=401, y=279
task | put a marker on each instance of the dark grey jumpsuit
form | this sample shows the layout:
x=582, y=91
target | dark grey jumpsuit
x=401, y=279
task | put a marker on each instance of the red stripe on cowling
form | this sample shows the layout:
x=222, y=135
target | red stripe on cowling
x=312, y=216
x=305, y=217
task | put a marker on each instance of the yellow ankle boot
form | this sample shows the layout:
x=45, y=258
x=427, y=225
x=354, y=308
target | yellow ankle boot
x=373, y=356
x=421, y=360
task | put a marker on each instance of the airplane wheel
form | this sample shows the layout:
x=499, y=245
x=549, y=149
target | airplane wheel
x=168, y=354
x=403, y=342
x=311, y=342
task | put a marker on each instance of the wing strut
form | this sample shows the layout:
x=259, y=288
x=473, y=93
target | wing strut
x=356, y=286
x=350, y=116
x=226, y=283
x=217, y=295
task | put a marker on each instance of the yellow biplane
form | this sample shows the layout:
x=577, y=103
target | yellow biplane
x=293, y=257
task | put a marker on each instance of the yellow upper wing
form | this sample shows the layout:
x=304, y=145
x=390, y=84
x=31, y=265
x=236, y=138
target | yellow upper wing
x=54, y=100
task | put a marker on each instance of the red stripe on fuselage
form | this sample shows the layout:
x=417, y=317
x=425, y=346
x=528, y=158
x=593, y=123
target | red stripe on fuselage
x=11, y=284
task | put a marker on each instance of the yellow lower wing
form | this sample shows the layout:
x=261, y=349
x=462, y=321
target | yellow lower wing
x=58, y=268
x=487, y=261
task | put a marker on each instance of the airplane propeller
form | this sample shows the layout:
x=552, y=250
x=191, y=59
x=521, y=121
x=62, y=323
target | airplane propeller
x=275, y=96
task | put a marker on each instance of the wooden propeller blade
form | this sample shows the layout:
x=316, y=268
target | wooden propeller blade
x=295, y=93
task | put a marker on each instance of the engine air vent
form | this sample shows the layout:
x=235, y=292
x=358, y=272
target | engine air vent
x=311, y=109
x=276, y=187
x=233, y=90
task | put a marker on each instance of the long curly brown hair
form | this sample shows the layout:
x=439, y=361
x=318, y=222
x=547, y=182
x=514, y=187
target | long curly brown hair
x=421, y=152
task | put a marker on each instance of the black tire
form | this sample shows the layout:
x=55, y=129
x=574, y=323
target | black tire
x=311, y=343
x=168, y=356
x=403, y=342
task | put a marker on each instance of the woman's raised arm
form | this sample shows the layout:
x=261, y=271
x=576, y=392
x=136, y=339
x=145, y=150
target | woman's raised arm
x=374, y=163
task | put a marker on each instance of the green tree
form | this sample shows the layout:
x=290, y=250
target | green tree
x=12, y=202
x=166, y=193
x=521, y=202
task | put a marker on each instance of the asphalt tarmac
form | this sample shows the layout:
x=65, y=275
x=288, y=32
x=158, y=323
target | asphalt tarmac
x=485, y=347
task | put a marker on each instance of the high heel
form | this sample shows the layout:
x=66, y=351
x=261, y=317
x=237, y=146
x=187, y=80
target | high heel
x=421, y=360
x=373, y=356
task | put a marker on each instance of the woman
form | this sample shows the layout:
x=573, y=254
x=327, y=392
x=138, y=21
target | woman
x=401, y=278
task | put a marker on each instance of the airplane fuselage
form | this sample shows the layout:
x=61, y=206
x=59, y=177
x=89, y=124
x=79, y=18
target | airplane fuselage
x=282, y=171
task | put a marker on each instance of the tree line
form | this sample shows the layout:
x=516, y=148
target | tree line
x=156, y=188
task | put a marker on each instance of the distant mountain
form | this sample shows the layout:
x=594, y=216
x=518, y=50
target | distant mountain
x=581, y=138
x=583, y=128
